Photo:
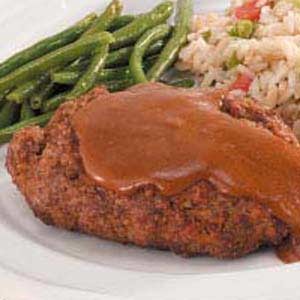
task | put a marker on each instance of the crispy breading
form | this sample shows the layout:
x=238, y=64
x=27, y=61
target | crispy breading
x=46, y=166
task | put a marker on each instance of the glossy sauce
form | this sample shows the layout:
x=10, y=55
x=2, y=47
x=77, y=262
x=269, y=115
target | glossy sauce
x=172, y=138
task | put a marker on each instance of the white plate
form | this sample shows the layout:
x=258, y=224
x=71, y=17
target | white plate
x=39, y=262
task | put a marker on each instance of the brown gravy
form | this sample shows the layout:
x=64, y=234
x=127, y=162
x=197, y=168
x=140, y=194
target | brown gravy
x=172, y=138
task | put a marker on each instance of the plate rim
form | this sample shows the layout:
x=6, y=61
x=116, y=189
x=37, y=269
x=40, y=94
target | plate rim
x=261, y=284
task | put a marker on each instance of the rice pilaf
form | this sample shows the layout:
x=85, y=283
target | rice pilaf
x=253, y=49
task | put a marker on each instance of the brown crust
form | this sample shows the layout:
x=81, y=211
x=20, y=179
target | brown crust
x=46, y=166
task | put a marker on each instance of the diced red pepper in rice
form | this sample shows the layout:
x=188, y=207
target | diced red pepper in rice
x=248, y=11
x=243, y=82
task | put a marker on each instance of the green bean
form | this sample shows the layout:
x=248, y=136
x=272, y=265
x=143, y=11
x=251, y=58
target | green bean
x=26, y=90
x=38, y=98
x=78, y=65
x=120, y=22
x=121, y=57
x=133, y=31
x=3, y=99
x=155, y=48
x=112, y=86
x=123, y=73
x=136, y=60
x=26, y=111
x=116, y=58
x=8, y=114
x=104, y=20
x=89, y=78
x=114, y=74
x=113, y=11
x=57, y=58
x=149, y=62
x=2, y=102
x=184, y=83
x=53, y=103
x=7, y=133
x=66, y=78
x=46, y=92
x=46, y=46
x=179, y=38
x=118, y=85
x=70, y=78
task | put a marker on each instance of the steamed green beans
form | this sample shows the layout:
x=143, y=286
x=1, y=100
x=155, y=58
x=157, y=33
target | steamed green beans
x=120, y=22
x=38, y=98
x=69, y=64
x=54, y=59
x=8, y=114
x=97, y=63
x=89, y=78
x=115, y=58
x=184, y=83
x=26, y=90
x=3, y=99
x=122, y=73
x=179, y=38
x=53, y=103
x=66, y=78
x=113, y=11
x=106, y=18
x=121, y=57
x=119, y=85
x=26, y=111
x=70, y=78
x=7, y=133
x=78, y=65
x=133, y=31
x=2, y=102
x=46, y=46
x=136, y=61
x=112, y=86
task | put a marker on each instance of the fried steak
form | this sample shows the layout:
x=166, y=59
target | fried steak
x=46, y=166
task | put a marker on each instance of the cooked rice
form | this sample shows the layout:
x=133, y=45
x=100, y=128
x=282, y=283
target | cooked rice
x=271, y=57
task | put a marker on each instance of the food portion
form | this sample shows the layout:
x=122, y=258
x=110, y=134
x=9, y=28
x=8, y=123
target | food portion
x=253, y=49
x=169, y=182
x=145, y=159
x=110, y=49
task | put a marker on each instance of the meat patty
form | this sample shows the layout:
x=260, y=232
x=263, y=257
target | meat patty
x=46, y=166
